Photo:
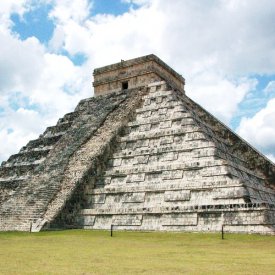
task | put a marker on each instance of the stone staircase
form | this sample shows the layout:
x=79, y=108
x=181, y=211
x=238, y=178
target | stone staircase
x=32, y=179
x=19, y=167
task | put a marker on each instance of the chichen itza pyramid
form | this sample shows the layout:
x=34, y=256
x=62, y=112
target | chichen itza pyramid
x=140, y=155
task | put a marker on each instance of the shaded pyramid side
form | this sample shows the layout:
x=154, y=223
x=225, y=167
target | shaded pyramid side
x=171, y=171
x=19, y=167
x=43, y=190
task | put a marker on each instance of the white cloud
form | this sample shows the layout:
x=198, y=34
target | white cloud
x=271, y=157
x=259, y=130
x=137, y=2
x=20, y=61
x=107, y=38
x=7, y=7
x=57, y=39
x=237, y=37
x=219, y=95
x=46, y=79
x=270, y=88
x=65, y=10
x=50, y=85
x=17, y=128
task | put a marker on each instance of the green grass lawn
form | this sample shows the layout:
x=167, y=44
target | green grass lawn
x=95, y=252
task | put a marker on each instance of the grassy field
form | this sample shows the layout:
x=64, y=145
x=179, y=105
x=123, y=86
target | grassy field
x=95, y=252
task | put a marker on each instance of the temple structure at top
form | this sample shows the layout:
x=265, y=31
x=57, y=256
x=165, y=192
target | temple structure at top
x=134, y=73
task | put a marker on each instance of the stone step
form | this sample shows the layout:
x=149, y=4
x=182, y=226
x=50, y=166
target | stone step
x=150, y=130
x=55, y=130
x=26, y=149
x=243, y=172
x=16, y=170
x=158, y=157
x=157, y=119
x=259, y=193
x=84, y=103
x=42, y=142
x=159, y=93
x=174, y=185
x=189, y=134
x=188, y=146
x=151, y=107
x=230, y=157
x=179, y=209
x=158, y=99
x=161, y=124
x=26, y=156
x=11, y=183
x=88, y=104
x=68, y=118
x=168, y=166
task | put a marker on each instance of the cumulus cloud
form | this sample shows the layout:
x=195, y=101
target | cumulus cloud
x=193, y=37
x=8, y=7
x=17, y=129
x=237, y=35
x=20, y=61
x=270, y=88
x=259, y=130
x=219, y=95
x=36, y=86
x=66, y=10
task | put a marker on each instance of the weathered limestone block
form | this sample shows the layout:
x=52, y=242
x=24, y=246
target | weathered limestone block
x=135, y=177
x=142, y=143
x=244, y=218
x=100, y=198
x=127, y=220
x=231, y=193
x=179, y=219
x=87, y=220
x=170, y=156
x=118, y=179
x=178, y=195
x=141, y=159
x=166, y=140
x=165, y=124
x=133, y=197
x=144, y=127
x=115, y=162
x=174, y=174
x=101, y=221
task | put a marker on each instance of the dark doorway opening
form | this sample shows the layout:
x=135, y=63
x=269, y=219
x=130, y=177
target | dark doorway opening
x=124, y=85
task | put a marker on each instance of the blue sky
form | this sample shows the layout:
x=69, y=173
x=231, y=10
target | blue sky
x=49, y=48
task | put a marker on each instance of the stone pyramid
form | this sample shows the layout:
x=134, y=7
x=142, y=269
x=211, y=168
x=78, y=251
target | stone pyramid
x=141, y=155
